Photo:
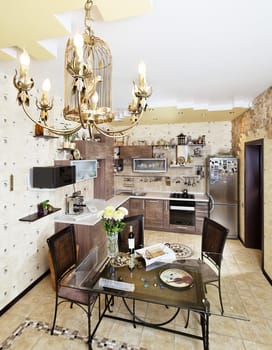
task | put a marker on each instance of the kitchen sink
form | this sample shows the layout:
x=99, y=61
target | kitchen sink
x=138, y=194
x=133, y=193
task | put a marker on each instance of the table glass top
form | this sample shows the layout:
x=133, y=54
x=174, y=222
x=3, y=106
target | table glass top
x=149, y=286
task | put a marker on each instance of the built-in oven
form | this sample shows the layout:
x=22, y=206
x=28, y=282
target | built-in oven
x=182, y=211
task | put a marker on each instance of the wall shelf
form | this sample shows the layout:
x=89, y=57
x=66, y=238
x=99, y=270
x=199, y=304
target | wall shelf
x=180, y=166
x=47, y=137
x=35, y=216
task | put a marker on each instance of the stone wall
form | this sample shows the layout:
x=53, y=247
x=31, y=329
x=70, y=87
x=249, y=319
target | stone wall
x=256, y=124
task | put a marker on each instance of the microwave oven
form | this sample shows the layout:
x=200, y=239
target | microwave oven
x=53, y=176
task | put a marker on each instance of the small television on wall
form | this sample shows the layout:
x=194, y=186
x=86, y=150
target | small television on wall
x=85, y=169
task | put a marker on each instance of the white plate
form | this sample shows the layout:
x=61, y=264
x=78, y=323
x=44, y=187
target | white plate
x=177, y=278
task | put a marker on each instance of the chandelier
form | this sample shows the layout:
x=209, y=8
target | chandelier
x=87, y=88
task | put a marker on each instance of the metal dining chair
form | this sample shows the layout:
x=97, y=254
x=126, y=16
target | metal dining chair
x=137, y=223
x=213, y=242
x=212, y=246
x=62, y=248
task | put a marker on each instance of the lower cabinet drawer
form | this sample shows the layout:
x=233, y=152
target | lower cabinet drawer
x=182, y=228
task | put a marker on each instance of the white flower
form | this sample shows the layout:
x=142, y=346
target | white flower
x=118, y=215
x=123, y=210
x=109, y=212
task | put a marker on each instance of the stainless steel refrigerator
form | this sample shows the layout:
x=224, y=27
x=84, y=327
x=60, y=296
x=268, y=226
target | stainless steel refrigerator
x=222, y=189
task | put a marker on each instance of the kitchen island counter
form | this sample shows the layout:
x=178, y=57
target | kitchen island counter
x=89, y=216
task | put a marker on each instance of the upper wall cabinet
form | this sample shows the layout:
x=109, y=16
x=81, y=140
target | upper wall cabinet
x=101, y=149
x=127, y=152
x=85, y=169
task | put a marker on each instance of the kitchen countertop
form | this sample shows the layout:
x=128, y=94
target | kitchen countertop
x=89, y=216
x=199, y=197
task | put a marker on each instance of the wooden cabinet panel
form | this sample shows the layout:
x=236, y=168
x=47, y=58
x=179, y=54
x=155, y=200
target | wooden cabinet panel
x=96, y=150
x=202, y=210
x=104, y=182
x=155, y=211
x=135, y=152
x=156, y=214
x=136, y=206
x=88, y=237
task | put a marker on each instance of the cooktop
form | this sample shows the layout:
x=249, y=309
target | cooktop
x=182, y=195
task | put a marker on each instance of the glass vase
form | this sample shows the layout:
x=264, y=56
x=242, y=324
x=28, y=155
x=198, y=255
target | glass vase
x=112, y=239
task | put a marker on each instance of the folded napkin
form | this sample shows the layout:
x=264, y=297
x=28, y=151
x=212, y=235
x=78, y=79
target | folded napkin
x=157, y=253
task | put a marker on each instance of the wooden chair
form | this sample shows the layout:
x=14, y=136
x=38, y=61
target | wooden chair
x=63, y=252
x=212, y=246
x=137, y=222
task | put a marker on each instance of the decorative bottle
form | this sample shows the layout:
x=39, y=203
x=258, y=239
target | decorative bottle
x=131, y=247
x=131, y=240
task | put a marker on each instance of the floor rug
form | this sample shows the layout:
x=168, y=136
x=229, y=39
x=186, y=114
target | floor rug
x=66, y=333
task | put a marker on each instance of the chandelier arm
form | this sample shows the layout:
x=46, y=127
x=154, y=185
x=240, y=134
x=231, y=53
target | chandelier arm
x=61, y=132
x=79, y=111
x=122, y=132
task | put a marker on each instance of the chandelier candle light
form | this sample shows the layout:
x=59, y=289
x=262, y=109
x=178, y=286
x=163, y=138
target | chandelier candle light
x=113, y=224
x=87, y=95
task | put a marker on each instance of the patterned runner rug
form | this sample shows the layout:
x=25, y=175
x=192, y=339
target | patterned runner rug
x=28, y=332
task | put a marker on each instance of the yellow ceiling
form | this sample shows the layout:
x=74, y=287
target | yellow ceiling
x=24, y=23
x=171, y=115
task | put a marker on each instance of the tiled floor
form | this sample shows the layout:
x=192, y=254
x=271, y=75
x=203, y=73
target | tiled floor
x=247, y=299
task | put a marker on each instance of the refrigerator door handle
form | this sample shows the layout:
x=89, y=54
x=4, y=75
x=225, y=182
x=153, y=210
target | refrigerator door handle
x=211, y=203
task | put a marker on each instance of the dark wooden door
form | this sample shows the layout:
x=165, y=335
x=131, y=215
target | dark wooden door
x=254, y=194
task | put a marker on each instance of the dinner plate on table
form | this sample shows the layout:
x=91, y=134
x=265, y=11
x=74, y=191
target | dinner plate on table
x=176, y=278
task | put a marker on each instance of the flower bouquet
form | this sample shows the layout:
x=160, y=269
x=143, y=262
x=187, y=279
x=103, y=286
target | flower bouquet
x=113, y=224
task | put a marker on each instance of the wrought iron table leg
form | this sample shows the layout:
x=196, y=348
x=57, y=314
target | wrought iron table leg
x=204, y=319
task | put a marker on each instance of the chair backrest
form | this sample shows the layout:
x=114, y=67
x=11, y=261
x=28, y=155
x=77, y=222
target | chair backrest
x=62, y=247
x=213, y=241
x=137, y=222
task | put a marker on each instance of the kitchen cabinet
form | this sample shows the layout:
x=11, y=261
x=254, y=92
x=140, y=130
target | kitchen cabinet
x=182, y=228
x=96, y=149
x=88, y=237
x=201, y=210
x=155, y=211
x=156, y=214
x=127, y=152
x=104, y=182
x=136, y=206
x=102, y=151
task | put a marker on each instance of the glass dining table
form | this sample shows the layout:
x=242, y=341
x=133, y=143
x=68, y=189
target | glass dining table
x=177, y=285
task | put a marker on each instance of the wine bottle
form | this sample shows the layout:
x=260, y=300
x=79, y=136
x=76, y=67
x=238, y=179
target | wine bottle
x=131, y=240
